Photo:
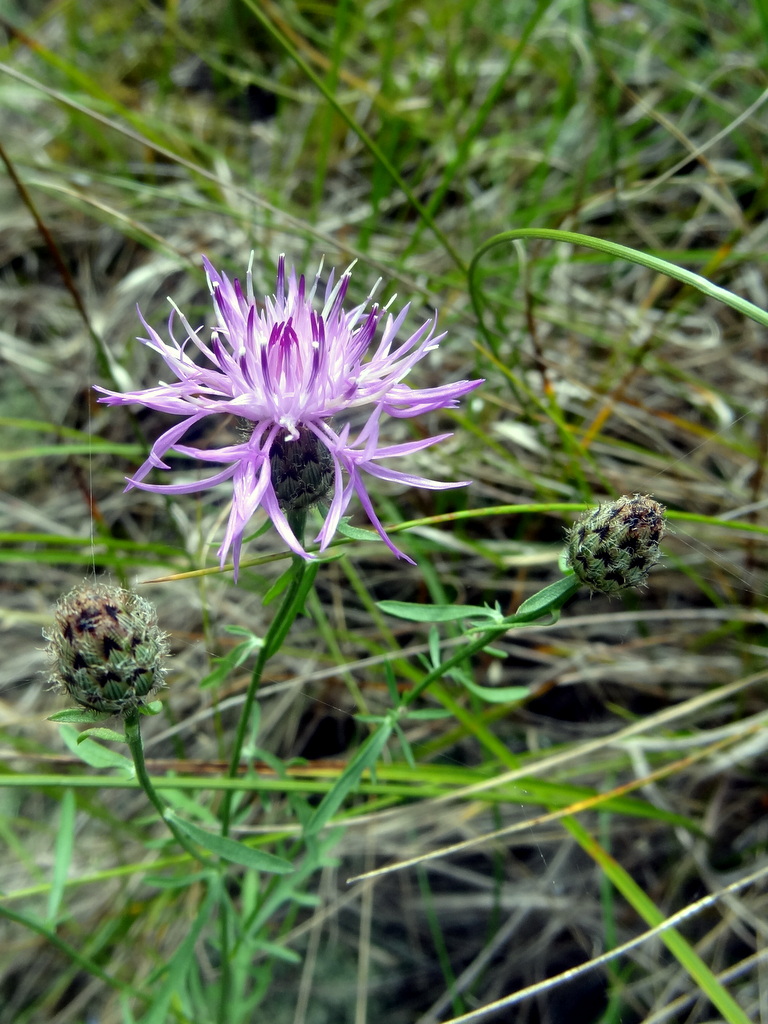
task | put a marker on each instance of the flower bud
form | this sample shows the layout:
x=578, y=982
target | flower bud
x=614, y=545
x=106, y=648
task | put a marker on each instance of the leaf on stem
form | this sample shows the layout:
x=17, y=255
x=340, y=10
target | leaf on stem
x=231, y=850
x=365, y=757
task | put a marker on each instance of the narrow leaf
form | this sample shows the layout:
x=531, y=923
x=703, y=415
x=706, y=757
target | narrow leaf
x=436, y=612
x=550, y=599
x=279, y=952
x=153, y=708
x=231, y=850
x=101, y=734
x=355, y=533
x=495, y=694
x=426, y=714
x=77, y=716
x=181, y=881
x=63, y=858
x=93, y=753
x=365, y=757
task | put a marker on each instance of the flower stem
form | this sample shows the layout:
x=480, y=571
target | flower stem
x=132, y=723
x=547, y=601
x=293, y=601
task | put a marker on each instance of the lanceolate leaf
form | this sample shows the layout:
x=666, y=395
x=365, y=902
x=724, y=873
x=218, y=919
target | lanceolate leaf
x=365, y=757
x=437, y=612
x=231, y=850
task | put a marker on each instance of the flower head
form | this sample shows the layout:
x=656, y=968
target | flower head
x=106, y=648
x=615, y=545
x=296, y=376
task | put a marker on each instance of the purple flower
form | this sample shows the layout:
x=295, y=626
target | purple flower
x=296, y=378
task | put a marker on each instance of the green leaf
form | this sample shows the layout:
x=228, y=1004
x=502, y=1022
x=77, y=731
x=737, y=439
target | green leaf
x=437, y=612
x=425, y=714
x=279, y=586
x=496, y=694
x=677, y=945
x=550, y=599
x=94, y=754
x=101, y=734
x=130, y=451
x=231, y=850
x=153, y=708
x=355, y=533
x=64, y=845
x=181, y=881
x=366, y=757
x=239, y=654
x=389, y=675
x=621, y=252
x=274, y=950
x=77, y=716
x=190, y=805
x=245, y=632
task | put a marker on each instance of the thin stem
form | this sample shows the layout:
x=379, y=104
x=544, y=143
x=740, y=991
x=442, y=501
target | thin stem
x=487, y=637
x=133, y=739
x=132, y=723
x=460, y=655
x=225, y=982
x=303, y=577
x=293, y=601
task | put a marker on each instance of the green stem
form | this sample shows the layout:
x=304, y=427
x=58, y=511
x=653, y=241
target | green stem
x=461, y=655
x=303, y=577
x=132, y=724
x=523, y=618
x=133, y=739
x=225, y=982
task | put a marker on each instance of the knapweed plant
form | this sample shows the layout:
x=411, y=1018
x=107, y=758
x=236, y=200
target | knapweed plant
x=294, y=377
x=310, y=387
x=289, y=372
x=418, y=674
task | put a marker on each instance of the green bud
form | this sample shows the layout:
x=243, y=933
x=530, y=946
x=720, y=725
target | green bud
x=106, y=648
x=613, y=546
